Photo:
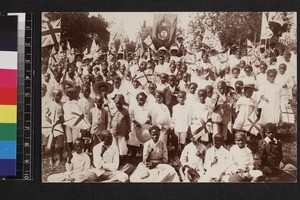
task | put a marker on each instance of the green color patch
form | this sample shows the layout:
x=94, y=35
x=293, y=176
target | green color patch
x=8, y=131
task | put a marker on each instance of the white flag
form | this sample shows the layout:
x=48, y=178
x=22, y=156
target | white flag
x=266, y=32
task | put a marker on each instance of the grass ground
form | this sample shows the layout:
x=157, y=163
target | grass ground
x=287, y=134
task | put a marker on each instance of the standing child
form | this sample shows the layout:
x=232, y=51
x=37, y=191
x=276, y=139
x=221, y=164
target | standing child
x=140, y=115
x=221, y=110
x=170, y=93
x=99, y=120
x=184, y=83
x=201, y=117
x=270, y=95
x=181, y=119
x=57, y=133
x=160, y=115
x=191, y=96
x=163, y=82
x=245, y=106
x=120, y=125
x=86, y=103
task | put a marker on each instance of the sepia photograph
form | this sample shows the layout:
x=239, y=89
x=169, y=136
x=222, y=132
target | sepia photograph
x=192, y=97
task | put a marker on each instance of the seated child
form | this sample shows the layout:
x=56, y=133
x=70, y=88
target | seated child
x=154, y=167
x=242, y=168
x=106, y=161
x=217, y=160
x=192, y=159
x=270, y=151
x=77, y=164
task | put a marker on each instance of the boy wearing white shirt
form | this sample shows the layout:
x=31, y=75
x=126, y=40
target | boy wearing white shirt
x=181, y=119
x=217, y=160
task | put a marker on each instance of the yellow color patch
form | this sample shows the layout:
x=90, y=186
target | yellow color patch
x=8, y=114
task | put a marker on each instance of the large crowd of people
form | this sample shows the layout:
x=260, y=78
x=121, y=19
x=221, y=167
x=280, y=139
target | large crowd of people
x=177, y=116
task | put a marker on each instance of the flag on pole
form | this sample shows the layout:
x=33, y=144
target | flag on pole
x=149, y=43
x=53, y=59
x=139, y=49
x=51, y=31
x=164, y=29
x=250, y=47
x=252, y=124
x=212, y=40
x=276, y=17
x=266, y=32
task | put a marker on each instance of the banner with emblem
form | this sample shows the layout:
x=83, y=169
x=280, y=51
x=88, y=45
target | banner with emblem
x=164, y=30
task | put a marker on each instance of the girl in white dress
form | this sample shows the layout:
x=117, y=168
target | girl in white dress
x=270, y=99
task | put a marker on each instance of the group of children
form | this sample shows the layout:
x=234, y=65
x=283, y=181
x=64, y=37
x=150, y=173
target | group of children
x=190, y=108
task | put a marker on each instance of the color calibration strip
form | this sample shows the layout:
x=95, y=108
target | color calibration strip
x=8, y=94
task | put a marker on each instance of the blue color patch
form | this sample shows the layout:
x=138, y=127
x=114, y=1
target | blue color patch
x=8, y=150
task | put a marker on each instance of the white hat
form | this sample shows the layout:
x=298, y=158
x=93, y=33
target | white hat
x=163, y=48
x=174, y=48
x=262, y=46
x=88, y=56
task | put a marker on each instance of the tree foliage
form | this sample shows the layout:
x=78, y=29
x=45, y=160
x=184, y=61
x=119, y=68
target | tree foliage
x=79, y=29
x=234, y=27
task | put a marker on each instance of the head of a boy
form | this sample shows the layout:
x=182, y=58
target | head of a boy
x=151, y=88
x=163, y=78
x=202, y=95
x=99, y=101
x=185, y=77
x=193, y=87
x=236, y=72
x=218, y=140
x=88, y=79
x=172, y=68
x=270, y=130
x=161, y=60
x=103, y=91
x=135, y=83
x=181, y=97
x=263, y=68
x=238, y=86
x=122, y=69
x=183, y=68
x=242, y=64
x=106, y=137
x=90, y=69
x=47, y=77
x=57, y=95
x=205, y=58
x=287, y=56
x=154, y=132
x=44, y=90
x=79, y=145
x=72, y=93
x=141, y=98
x=222, y=87
x=209, y=90
x=248, y=70
x=86, y=91
x=117, y=82
x=240, y=139
x=119, y=101
x=159, y=97
x=271, y=75
x=282, y=68
x=172, y=80
x=142, y=66
x=248, y=92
